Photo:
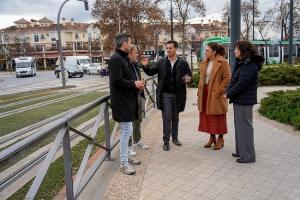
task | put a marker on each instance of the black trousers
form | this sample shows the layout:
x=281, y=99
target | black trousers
x=170, y=117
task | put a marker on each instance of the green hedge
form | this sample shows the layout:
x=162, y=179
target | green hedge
x=282, y=106
x=195, y=80
x=269, y=75
x=279, y=75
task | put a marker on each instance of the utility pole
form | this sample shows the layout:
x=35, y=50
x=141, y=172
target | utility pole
x=171, y=10
x=253, y=22
x=291, y=31
x=235, y=30
x=60, y=53
x=228, y=24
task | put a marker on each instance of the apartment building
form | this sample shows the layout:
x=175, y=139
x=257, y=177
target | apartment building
x=38, y=38
x=195, y=33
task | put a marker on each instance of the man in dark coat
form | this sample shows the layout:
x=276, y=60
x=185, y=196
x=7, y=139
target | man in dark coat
x=173, y=75
x=124, y=90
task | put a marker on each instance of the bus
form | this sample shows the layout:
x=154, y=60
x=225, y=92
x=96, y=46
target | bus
x=269, y=49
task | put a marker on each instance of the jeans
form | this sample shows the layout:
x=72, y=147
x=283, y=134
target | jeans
x=126, y=131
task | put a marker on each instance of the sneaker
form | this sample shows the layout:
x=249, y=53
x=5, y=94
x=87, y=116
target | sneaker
x=141, y=145
x=131, y=151
x=127, y=169
x=134, y=161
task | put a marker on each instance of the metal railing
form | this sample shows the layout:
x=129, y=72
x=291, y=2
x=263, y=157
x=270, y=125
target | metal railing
x=62, y=125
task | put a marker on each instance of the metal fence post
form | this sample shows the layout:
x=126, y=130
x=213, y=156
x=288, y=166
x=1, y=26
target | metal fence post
x=106, y=130
x=153, y=93
x=68, y=166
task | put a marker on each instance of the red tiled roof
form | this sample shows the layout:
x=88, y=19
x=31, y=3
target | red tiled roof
x=67, y=26
x=22, y=21
x=45, y=20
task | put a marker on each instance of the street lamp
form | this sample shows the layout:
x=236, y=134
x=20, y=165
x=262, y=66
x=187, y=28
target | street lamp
x=61, y=61
x=291, y=31
x=171, y=12
x=253, y=15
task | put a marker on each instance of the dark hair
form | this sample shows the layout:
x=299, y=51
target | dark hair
x=248, y=50
x=120, y=39
x=173, y=42
x=220, y=49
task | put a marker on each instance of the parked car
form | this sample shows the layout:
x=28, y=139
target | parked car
x=97, y=68
x=82, y=61
x=94, y=68
x=104, y=70
x=70, y=71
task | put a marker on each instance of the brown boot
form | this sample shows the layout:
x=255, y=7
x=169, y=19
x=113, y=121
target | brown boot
x=220, y=143
x=212, y=140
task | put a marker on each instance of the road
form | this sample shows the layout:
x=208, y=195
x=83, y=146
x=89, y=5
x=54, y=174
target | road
x=9, y=84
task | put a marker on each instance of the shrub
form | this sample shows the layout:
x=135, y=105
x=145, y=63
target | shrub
x=195, y=80
x=282, y=106
x=279, y=75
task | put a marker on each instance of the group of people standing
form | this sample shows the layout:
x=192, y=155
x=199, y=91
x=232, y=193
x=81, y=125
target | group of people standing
x=216, y=86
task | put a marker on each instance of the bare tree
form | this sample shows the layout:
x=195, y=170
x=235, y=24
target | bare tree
x=126, y=16
x=247, y=16
x=185, y=10
x=279, y=17
x=226, y=11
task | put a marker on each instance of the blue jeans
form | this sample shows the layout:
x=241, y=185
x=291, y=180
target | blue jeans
x=126, y=131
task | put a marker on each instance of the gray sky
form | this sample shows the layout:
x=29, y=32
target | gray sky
x=12, y=10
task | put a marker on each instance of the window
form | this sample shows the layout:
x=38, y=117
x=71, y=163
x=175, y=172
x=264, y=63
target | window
x=39, y=48
x=36, y=38
x=76, y=36
x=42, y=36
x=52, y=36
x=53, y=46
x=274, y=51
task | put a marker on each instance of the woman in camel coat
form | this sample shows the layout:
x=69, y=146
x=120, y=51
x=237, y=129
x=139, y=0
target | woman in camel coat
x=212, y=105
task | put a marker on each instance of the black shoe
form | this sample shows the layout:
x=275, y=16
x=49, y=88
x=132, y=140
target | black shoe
x=166, y=147
x=240, y=160
x=177, y=142
x=235, y=155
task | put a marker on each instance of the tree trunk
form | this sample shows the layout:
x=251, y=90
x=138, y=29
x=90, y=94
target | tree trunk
x=183, y=39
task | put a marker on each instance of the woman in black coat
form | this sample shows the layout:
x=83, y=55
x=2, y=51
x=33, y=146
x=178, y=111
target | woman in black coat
x=242, y=92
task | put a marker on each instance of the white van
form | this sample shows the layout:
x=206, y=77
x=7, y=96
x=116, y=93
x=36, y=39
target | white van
x=81, y=61
x=25, y=66
x=73, y=66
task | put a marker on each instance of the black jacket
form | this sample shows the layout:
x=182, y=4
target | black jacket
x=122, y=88
x=242, y=89
x=160, y=68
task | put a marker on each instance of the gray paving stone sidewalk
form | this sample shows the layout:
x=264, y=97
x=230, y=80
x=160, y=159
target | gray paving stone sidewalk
x=193, y=172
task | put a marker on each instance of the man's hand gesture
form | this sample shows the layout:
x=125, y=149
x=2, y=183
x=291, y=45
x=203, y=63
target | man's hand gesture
x=140, y=84
x=144, y=61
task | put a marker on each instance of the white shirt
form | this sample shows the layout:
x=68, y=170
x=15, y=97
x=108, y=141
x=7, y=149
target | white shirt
x=172, y=62
x=208, y=71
